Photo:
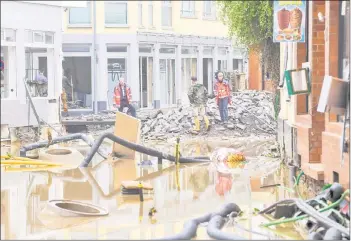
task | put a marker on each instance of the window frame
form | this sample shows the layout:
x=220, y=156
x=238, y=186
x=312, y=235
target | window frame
x=343, y=20
x=151, y=15
x=140, y=14
x=191, y=12
x=81, y=25
x=212, y=15
x=4, y=41
x=168, y=5
x=116, y=25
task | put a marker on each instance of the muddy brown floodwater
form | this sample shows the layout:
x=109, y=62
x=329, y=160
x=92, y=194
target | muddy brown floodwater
x=24, y=195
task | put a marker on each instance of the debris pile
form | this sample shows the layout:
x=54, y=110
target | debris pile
x=251, y=112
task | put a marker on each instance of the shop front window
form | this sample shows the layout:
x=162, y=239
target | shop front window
x=344, y=45
x=77, y=81
x=116, y=69
x=36, y=69
x=4, y=72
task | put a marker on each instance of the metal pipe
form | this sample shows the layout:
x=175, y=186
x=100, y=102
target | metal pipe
x=94, y=57
x=135, y=147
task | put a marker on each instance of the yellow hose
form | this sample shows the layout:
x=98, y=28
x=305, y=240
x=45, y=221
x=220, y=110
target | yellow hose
x=37, y=163
x=14, y=160
x=8, y=157
x=27, y=169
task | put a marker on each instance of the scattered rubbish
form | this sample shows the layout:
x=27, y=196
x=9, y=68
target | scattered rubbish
x=75, y=208
x=227, y=158
x=247, y=107
x=296, y=210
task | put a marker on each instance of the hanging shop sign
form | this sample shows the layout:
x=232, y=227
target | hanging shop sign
x=289, y=21
x=298, y=81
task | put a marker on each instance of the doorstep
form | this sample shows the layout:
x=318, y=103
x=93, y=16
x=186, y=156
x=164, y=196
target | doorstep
x=314, y=170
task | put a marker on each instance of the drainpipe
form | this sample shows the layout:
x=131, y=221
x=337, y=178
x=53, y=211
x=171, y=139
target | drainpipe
x=94, y=58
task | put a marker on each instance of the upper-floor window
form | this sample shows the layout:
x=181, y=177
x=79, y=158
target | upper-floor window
x=116, y=13
x=8, y=35
x=166, y=14
x=140, y=13
x=151, y=14
x=188, y=9
x=209, y=10
x=43, y=37
x=80, y=15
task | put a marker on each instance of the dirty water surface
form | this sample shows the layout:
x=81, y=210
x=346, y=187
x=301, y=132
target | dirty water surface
x=25, y=213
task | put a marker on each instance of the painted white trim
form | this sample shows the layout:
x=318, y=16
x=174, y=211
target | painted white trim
x=67, y=4
x=77, y=54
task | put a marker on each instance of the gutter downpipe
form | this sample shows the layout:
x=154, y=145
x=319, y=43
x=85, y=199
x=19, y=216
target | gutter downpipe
x=94, y=57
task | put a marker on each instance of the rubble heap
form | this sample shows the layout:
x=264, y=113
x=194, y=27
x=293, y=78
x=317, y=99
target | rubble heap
x=251, y=112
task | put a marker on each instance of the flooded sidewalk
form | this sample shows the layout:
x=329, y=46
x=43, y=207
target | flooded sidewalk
x=26, y=215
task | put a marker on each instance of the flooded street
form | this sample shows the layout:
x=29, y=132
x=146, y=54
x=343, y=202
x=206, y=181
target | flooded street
x=26, y=214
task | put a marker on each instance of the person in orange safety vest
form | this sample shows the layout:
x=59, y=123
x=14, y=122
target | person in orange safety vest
x=123, y=96
x=222, y=92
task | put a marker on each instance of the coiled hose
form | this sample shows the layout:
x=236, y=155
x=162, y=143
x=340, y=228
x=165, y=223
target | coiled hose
x=215, y=223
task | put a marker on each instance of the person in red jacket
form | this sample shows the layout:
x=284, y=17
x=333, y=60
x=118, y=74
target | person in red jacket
x=222, y=92
x=123, y=97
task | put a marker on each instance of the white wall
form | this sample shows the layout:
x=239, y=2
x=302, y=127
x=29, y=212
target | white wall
x=23, y=16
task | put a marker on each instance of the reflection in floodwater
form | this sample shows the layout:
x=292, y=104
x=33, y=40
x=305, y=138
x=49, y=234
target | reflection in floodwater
x=24, y=197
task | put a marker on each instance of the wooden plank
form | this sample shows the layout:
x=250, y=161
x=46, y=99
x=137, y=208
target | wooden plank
x=128, y=128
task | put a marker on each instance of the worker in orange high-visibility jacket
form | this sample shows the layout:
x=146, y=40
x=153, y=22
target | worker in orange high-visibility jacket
x=123, y=97
x=222, y=92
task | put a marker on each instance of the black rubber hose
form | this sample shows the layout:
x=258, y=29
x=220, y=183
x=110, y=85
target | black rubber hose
x=41, y=144
x=190, y=227
x=307, y=209
x=214, y=229
x=269, y=208
x=135, y=147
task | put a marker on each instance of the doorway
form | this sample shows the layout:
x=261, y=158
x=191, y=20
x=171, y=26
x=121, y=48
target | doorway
x=189, y=69
x=78, y=82
x=167, y=77
x=145, y=81
x=207, y=73
x=116, y=68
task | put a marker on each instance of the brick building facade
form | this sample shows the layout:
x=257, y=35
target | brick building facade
x=309, y=139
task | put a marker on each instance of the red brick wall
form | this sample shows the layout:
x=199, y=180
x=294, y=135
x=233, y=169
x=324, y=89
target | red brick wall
x=317, y=60
x=255, y=71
